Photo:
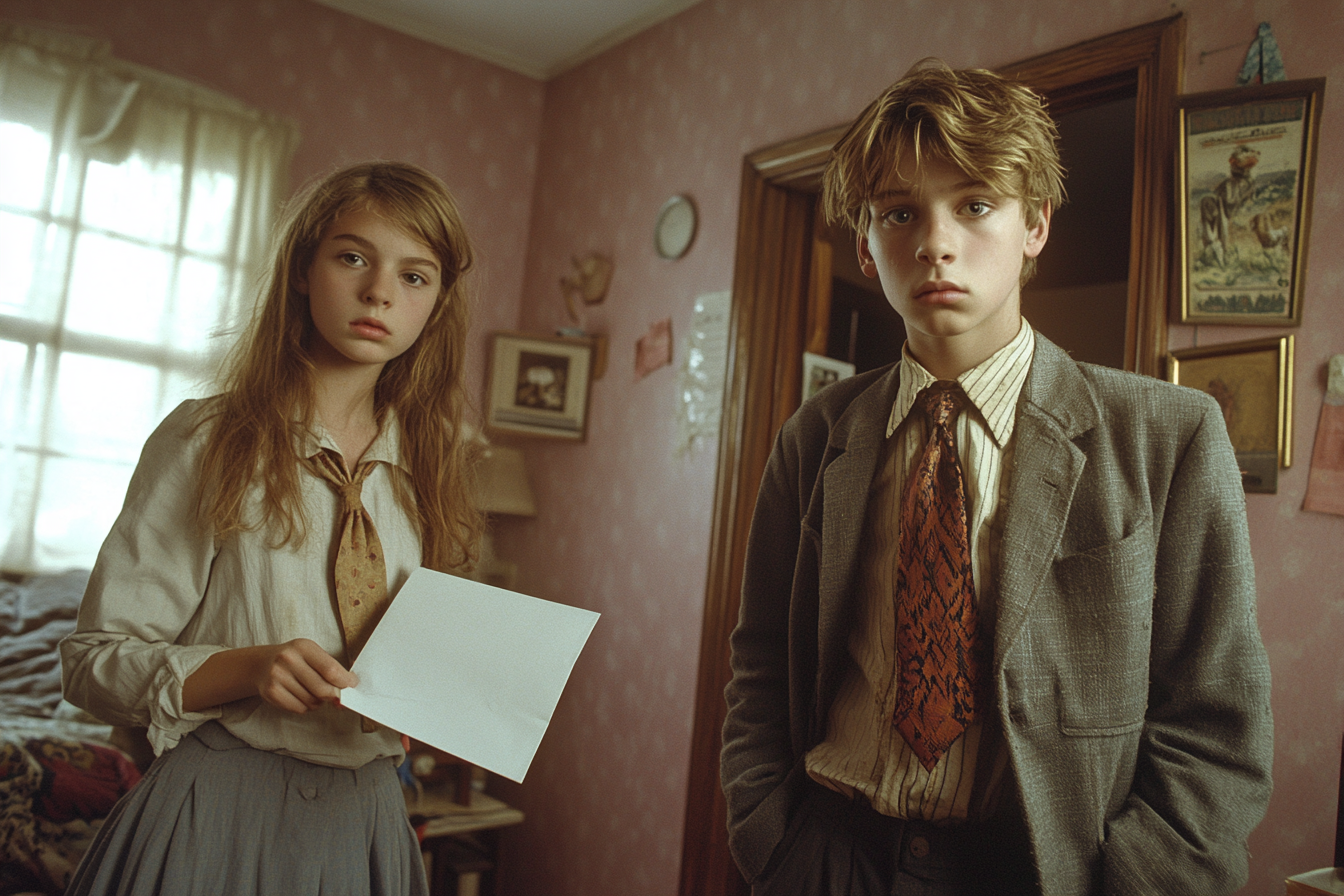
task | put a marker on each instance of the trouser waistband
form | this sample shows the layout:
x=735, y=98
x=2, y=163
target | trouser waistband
x=992, y=854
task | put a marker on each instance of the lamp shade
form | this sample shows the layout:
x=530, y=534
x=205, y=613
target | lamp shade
x=501, y=483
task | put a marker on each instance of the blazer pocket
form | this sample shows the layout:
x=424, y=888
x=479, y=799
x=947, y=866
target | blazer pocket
x=1106, y=595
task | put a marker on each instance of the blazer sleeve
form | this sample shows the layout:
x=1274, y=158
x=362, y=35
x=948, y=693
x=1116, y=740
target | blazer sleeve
x=758, y=755
x=1202, y=779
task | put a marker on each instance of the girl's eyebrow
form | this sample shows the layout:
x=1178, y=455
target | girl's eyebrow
x=365, y=244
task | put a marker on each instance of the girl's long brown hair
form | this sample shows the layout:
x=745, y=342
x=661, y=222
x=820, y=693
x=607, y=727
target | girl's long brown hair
x=268, y=380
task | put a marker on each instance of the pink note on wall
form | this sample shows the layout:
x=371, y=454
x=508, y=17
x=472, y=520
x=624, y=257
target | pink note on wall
x=654, y=348
x=1325, y=484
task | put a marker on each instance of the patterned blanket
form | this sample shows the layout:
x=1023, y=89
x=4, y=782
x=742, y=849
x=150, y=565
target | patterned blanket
x=60, y=773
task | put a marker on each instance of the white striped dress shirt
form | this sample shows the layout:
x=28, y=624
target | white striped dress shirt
x=863, y=752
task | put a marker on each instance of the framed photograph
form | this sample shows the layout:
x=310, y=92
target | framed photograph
x=820, y=371
x=538, y=385
x=1252, y=382
x=1245, y=170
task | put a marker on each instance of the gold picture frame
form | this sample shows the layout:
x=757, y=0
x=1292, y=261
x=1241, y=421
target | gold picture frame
x=1253, y=384
x=1245, y=169
x=539, y=385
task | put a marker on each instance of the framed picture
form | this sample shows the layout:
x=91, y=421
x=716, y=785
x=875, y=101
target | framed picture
x=1252, y=382
x=538, y=385
x=1245, y=170
x=820, y=371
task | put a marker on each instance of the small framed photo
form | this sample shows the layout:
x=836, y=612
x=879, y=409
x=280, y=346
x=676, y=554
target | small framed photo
x=1252, y=382
x=1246, y=164
x=538, y=385
x=820, y=371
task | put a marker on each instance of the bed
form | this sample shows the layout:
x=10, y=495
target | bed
x=61, y=770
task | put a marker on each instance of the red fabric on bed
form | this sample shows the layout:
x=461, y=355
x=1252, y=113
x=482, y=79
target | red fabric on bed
x=79, y=780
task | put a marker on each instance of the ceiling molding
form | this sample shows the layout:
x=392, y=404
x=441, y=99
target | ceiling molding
x=446, y=26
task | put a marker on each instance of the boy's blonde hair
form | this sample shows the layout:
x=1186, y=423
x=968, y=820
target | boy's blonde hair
x=268, y=382
x=994, y=130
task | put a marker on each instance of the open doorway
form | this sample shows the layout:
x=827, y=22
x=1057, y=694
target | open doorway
x=1080, y=293
x=864, y=330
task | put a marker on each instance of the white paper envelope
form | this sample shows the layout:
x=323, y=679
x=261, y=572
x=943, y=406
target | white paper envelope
x=469, y=668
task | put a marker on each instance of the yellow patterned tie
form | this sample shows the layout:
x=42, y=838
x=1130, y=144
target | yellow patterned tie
x=360, y=572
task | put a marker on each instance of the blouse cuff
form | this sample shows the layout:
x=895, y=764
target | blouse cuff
x=168, y=721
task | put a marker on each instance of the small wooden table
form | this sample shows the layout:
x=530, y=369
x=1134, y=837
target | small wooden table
x=461, y=842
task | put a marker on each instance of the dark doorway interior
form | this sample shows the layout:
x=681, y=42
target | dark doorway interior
x=1080, y=293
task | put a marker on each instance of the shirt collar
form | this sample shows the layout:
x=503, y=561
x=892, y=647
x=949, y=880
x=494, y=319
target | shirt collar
x=993, y=386
x=386, y=446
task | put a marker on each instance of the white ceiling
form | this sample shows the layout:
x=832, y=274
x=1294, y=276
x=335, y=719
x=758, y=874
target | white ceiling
x=539, y=38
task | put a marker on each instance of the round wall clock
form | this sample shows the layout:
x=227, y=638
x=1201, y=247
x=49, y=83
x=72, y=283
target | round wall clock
x=675, y=228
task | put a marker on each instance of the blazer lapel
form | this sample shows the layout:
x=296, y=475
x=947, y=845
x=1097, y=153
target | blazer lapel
x=1056, y=407
x=851, y=459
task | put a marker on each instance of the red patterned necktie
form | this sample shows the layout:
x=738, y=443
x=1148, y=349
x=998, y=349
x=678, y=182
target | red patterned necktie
x=938, y=650
x=360, y=571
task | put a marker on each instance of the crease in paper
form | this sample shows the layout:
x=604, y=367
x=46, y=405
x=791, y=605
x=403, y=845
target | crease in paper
x=474, y=670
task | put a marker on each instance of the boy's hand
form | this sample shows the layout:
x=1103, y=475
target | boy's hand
x=299, y=675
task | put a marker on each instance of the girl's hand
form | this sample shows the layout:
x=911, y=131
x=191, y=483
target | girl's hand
x=295, y=676
x=299, y=675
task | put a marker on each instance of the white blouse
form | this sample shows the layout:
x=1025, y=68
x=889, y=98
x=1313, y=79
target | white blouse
x=166, y=594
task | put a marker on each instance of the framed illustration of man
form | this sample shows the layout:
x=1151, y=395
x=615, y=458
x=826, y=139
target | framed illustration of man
x=1246, y=170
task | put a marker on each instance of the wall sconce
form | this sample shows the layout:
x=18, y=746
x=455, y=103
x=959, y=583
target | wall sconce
x=502, y=489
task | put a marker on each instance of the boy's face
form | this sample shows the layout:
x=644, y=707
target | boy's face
x=948, y=251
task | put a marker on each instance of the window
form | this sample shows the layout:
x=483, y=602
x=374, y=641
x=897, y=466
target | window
x=134, y=209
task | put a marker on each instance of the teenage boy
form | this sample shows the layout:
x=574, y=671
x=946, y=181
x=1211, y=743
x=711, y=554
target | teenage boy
x=998, y=626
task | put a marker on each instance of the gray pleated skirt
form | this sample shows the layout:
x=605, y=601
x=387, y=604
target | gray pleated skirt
x=215, y=816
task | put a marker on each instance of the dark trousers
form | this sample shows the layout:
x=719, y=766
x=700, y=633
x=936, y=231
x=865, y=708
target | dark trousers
x=837, y=846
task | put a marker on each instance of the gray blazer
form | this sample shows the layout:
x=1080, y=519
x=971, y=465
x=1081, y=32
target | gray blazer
x=1131, y=684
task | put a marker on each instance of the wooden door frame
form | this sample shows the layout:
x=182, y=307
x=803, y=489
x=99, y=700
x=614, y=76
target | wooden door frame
x=769, y=327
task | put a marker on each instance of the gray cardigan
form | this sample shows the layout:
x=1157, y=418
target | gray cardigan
x=1131, y=684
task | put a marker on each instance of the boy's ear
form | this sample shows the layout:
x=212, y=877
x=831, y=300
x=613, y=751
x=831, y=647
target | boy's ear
x=866, y=263
x=1036, y=236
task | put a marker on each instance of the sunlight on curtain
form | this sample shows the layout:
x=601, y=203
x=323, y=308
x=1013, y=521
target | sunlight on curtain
x=134, y=209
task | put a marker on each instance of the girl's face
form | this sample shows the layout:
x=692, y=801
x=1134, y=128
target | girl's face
x=371, y=287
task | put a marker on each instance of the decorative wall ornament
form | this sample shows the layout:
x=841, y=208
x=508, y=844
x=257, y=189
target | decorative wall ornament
x=589, y=282
x=1263, y=60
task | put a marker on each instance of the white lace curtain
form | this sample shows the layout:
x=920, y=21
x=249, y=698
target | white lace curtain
x=134, y=214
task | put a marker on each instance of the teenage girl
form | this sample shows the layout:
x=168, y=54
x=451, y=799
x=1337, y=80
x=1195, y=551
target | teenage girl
x=211, y=615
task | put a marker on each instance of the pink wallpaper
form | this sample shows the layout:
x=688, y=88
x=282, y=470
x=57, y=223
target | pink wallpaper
x=545, y=172
x=624, y=521
x=357, y=91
